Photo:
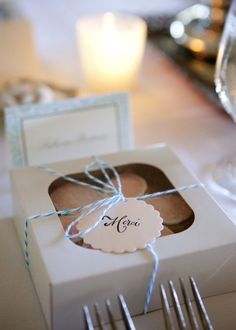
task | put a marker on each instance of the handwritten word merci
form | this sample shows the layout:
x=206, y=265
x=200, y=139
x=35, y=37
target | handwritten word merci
x=121, y=223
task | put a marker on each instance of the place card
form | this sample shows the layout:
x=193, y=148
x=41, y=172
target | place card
x=69, y=129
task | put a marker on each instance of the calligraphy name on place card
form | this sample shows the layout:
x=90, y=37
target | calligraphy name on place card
x=55, y=142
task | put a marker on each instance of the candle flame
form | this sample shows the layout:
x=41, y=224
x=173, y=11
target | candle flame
x=108, y=26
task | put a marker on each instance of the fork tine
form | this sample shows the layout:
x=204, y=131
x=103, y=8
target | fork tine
x=166, y=309
x=111, y=315
x=189, y=306
x=99, y=317
x=88, y=319
x=177, y=307
x=200, y=306
x=129, y=325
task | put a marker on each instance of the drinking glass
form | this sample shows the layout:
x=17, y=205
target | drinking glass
x=224, y=172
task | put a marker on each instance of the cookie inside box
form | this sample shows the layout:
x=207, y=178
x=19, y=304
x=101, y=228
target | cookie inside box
x=136, y=179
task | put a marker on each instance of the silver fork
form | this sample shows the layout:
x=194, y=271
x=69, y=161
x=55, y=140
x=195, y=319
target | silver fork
x=196, y=322
x=128, y=322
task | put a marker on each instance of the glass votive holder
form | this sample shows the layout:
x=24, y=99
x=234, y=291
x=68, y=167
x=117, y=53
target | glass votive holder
x=111, y=48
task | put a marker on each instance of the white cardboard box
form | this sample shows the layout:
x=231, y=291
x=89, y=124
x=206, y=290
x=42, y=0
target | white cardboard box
x=67, y=276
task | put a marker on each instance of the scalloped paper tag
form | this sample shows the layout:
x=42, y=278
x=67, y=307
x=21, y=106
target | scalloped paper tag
x=128, y=226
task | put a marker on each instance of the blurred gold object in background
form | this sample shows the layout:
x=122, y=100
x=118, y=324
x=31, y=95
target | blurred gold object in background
x=198, y=28
x=18, y=56
x=28, y=91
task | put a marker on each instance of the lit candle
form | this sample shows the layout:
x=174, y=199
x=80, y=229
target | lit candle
x=111, y=49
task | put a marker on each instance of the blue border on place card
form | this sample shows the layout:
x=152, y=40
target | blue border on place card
x=14, y=117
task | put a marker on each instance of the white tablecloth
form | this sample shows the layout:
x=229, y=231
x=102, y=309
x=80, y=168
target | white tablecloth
x=166, y=107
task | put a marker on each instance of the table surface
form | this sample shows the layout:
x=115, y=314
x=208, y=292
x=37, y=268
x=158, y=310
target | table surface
x=166, y=107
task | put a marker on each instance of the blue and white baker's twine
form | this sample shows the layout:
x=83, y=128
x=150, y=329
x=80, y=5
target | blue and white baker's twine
x=116, y=195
